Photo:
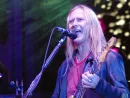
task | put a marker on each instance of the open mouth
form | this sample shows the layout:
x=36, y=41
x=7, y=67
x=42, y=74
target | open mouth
x=77, y=31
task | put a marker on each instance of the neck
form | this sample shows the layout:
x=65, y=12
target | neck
x=83, y=51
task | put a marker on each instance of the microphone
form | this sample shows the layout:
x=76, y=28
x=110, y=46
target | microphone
x=67, y=33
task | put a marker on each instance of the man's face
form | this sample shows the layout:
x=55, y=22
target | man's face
x=77, y=24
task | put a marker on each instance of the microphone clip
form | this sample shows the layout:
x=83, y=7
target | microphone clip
x=66, y=32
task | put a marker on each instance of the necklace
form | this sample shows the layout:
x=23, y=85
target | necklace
x=82, y=58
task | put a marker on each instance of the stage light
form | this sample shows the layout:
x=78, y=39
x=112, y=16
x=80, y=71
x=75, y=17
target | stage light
x=126, y=34
x=121, y=22
x=129, y=3
x=0, y=75
x=128, y=56
x=111, y=30
x=109, y=4
x=119, y=6
x=108, y=8
x=111, y=25
x=97, y=2
x=118, y=44
x=114, y=13
x=123, y=1
x=122, y=16
x=103, y=6
x=117, y=31
x=123, y=47
x=127, y=11
x=117, y=17
x=100, y=15
x=127, y=16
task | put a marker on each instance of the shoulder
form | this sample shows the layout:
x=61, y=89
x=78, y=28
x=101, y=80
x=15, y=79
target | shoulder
x=65, y=66
x=114, y=59
x=112, y=55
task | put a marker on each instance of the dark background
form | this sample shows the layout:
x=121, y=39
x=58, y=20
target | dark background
x=25, y=27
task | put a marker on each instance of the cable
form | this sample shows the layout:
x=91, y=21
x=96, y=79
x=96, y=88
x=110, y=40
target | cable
x=35, y=82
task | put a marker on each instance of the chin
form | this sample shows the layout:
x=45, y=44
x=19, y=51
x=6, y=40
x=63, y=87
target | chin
x=77, y=41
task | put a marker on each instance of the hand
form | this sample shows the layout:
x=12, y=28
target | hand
x=89, y=80
x=72, y=96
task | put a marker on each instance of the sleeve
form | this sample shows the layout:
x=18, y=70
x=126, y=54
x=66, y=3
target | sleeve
x=57, y=88
x=56, y=92
x=117, y=86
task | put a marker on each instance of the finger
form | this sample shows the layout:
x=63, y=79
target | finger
x=84, y=77
x=72, y=96
x=87, y=78
x=85, y=86
x=86, y=82
x=88, y=74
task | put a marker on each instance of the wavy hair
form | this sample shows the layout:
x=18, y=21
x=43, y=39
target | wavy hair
x=96, y=36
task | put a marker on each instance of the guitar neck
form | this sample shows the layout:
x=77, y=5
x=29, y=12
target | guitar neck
x=80, y=91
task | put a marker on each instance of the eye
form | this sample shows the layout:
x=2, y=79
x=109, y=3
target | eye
x=71, y=21
x=80, y=19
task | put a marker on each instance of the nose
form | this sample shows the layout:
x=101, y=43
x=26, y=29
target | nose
x=75, y=24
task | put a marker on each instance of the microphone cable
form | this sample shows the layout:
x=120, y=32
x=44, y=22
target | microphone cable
x=35, y=82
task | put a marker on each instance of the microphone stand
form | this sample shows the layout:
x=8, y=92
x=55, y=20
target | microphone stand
x=44, y=66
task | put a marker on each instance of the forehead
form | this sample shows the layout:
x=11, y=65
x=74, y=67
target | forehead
x=78, y=12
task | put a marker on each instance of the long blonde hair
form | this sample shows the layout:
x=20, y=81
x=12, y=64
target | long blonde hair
x=96, y=35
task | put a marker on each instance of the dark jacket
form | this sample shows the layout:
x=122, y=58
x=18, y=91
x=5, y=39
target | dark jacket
x=112, y=83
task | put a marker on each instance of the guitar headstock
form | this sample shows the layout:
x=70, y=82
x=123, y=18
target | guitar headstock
x=105, y=50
